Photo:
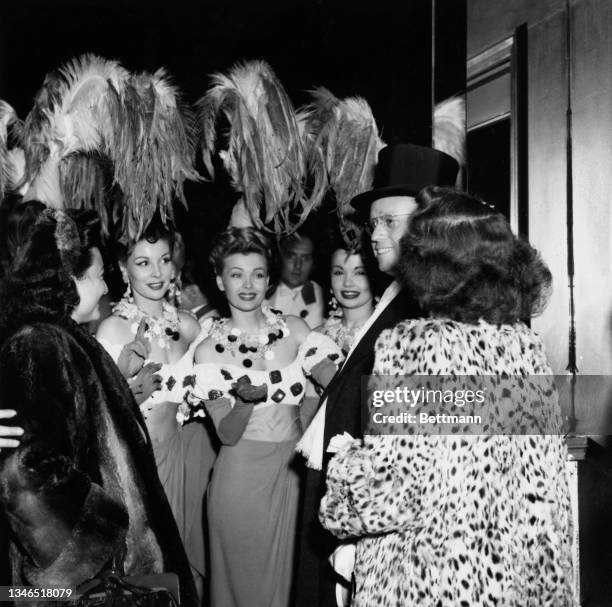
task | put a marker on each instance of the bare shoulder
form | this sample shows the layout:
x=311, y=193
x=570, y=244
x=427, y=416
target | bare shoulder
x=190, y=327
x=205, y=351
x=299, y=329
x=115, y=330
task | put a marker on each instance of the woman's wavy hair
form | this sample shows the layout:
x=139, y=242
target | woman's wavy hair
x=462, y=261
x=156, y=230
x=39, y=277
x=238, y=240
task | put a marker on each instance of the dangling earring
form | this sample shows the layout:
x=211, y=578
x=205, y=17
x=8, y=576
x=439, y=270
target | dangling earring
x=127, y=296
x=178, y=293
x=334, y=306
x=174, y=292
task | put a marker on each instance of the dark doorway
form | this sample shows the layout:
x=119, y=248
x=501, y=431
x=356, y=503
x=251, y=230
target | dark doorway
x=488, y=150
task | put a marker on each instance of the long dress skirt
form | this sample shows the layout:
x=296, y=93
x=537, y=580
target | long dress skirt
x=184, y=461
x=252, y=511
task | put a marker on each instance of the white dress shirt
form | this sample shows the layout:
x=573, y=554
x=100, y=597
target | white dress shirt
x=290, y=302
x=311, y=443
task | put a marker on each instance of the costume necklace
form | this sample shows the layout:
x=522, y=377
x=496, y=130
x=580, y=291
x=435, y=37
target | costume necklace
x=336, y=330
x=251, y=346
x=163, y=330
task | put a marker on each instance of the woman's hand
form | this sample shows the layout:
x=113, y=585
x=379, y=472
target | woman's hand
x=146, y=382
x=247, y=393
x=133, y=355
x=7, y=431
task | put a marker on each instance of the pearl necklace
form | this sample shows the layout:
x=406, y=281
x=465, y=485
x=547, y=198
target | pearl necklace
x=163, y=329
x=250, y=345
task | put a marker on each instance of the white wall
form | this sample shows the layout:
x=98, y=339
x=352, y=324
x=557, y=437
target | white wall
x=490, y=21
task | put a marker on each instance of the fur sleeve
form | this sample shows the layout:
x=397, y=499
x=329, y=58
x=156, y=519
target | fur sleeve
x=66, y=526
x=376, y=485
x=371, y=487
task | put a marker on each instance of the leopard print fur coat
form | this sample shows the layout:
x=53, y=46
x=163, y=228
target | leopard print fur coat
x=457, y=520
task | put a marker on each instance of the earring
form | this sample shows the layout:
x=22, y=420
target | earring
x=174, y=292
x=178, y=293
x=334, y=306
x=127, y=296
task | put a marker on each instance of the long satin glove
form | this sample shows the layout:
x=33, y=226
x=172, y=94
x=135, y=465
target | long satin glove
x=323, y=371
x=230, y=422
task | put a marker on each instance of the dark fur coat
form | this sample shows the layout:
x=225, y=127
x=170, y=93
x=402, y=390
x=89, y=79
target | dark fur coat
x=83, y=484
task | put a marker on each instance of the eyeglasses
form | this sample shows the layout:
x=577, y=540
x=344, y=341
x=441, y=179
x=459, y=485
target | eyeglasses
x=389, y=222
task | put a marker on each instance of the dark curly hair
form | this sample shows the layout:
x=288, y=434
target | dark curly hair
x=238, y=240
x=39, y=278
x=17, y=219
x=462, y=261
x=156, y=230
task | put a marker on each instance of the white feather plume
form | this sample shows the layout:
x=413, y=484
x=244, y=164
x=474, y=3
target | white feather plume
x=343, y=143
x=93, y=106
x=449, y=128
x=264, y=156
x=11, y=170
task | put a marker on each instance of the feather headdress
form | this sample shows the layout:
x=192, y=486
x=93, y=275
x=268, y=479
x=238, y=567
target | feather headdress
x=265, y=155
x=343, y=144
x=10, y=171
x=449, y=128
x=93, y=106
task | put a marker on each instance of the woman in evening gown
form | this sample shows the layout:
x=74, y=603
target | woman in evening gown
x=184, y=454
x=251, y=373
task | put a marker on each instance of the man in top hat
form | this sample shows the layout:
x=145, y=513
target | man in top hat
x=402, y=171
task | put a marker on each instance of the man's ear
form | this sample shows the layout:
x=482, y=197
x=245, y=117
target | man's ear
x=219, y=282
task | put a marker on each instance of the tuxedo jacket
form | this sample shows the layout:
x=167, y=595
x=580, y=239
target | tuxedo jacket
x=316, y=580
x=346, y=410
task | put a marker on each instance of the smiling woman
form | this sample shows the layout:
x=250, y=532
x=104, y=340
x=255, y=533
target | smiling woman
x=251, y=374
x=75, y=488
x=184, y=455
x=90, y=287
x=351, y=289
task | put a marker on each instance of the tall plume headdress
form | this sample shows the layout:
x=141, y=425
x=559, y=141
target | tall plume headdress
x=92, y=109
x=265, y=154
x=342, y=143
x=11, y=160
x=449, y=129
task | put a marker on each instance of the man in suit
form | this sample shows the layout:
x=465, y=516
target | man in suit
x=295, y=294
x=402, y=171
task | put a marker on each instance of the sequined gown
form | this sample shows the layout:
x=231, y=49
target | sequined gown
x=254, y=491
x=184, y=454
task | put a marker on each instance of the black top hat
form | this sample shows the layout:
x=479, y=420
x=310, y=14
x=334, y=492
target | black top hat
x=405, y=169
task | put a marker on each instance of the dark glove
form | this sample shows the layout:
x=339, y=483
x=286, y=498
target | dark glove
x=231, y=422
x=146, y=382
x=133, y=355
x=244, y=391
